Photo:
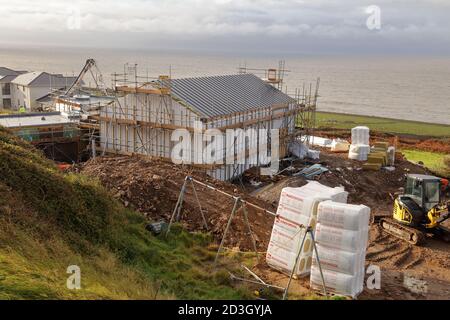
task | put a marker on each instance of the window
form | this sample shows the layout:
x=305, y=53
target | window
x=432, y=192
x=6, y=89
x=7, y=103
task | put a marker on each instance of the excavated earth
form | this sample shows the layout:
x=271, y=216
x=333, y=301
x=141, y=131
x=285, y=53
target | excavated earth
x=153, y=186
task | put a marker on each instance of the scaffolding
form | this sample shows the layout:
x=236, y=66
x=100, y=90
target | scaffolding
x=241, y=205
x=272, y=76
x=145, y=113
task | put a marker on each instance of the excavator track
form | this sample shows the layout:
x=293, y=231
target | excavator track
x=408, y=234
x=442, y=233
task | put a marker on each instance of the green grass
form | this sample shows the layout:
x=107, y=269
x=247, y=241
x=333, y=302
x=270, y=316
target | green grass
x=344, y=121
x=50, y=220
x=433, y=161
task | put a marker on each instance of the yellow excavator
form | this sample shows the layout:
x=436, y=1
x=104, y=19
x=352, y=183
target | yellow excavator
x=421, y=210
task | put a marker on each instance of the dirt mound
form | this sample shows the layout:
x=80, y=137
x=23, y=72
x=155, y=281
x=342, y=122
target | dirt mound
x=376, y=189
x=152, y=187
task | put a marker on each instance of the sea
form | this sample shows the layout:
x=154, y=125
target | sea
x=399, y=87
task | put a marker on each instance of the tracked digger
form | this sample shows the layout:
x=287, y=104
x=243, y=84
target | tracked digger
x=421, y=210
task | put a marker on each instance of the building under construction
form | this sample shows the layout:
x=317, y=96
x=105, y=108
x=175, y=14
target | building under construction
x=147, y=111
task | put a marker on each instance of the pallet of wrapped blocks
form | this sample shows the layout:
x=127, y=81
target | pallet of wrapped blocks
x=297, y=203
x=342, y=239
x=343, y=215
x=361, y=135
x=298, y=207
x=281, y=259
x=284, y=248
x=317, y=189
x=338, y=260
x=342, y=258
x=359, y=152
x=338, y=283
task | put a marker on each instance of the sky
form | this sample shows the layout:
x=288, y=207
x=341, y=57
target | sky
x=288, y=26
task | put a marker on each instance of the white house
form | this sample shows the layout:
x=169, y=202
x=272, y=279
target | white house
x=28, y=87
x=6, y=76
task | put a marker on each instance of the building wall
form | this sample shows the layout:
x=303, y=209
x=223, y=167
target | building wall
x=26, y=96
x=4, y=96
x=138, y=137
x=147, y=140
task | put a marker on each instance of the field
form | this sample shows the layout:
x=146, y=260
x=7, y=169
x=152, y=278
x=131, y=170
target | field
x=346, y=121
x=432, y=160
x=420, y=142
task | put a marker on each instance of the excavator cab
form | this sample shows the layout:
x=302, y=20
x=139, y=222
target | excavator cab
x=424, y=190
x=421, y=209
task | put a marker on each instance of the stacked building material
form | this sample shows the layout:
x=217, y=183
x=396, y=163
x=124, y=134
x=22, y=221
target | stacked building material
x=391, y=156
x=378, y=158
x=342, y=238
x=360, y=149
x=297, y=208
x=340, y=146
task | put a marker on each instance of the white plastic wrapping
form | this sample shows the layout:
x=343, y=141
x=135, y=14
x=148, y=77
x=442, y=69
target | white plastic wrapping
x=298, y=207
x=342, y=239
x=338, y=283
x=339, y=260
x=360, y=135
x=359, y=152
x=348, y=240
x=340, y=146
x=343, y=216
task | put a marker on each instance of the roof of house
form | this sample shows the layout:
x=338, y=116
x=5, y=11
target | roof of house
x=33, y=120
x=6, y=79
x=9, y=72
x=45, y=99
x=43, y=79
x=222, y=95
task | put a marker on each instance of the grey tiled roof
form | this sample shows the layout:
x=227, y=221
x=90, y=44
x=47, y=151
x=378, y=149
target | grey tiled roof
x=43, y=79
x=6, y=79
x=9, y=72
x=222, y=95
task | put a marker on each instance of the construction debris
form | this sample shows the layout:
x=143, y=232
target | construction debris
x=311, y=172
x=339, y=145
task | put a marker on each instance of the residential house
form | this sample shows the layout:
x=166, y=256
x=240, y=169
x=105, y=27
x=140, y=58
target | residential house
x=29, y=87
x=6, y=76
x=145, y=116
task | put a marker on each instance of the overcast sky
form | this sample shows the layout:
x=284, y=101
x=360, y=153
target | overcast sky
x=296, y=26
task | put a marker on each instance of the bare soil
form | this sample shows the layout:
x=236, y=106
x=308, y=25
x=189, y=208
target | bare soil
x=152, y=187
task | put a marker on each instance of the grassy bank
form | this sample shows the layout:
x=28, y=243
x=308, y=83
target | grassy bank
x=345, y=121
x=433, y=161
x=50, y=220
